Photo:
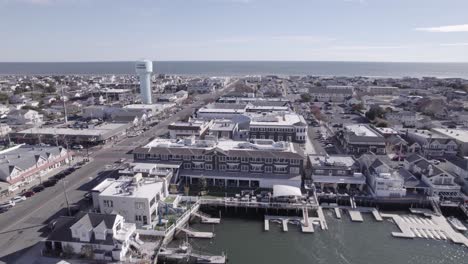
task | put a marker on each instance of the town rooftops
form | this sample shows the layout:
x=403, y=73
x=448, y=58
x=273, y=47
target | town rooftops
x=457, y=134
x=332, y=161
x=97, y=131
x=136, y=187
x=192, y=125
x=277, y=119
x=190, y=146
x=362, y=130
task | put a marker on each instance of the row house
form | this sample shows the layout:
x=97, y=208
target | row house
x=331, y=94
x=258, y=163
x=440, y=182
x=359, y=139
x=430, y=144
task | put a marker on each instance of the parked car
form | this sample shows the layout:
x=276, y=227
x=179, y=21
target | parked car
x=329, y=146
x=50, y=182
x=77, y=147
x=27, y=194
x=7, y=205
x=87, y=196
x=18, y=199
x=38, y=188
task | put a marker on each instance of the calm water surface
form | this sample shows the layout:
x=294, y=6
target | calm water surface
x=344, y=243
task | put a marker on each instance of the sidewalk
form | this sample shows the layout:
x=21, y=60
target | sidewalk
x=41, y=178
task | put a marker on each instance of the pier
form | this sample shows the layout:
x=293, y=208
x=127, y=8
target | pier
x=377, y=215
x=338, y=213
x=206, y=219
x=436, y=227
x=194, y=233
x=304, y=222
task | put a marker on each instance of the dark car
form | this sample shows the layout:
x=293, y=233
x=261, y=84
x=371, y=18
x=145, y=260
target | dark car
x=38, y=188
x=59, y=176
x=27, y=194
x=50, y=183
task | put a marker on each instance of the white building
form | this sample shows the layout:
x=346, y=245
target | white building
x=405, y=118
x=330, y=94
x=431, y=144
x=382, y=180
x=279, y=126
x=459, y=135
x=135, y=198
x=24, y=117
x=106, y=237
x=197, y=128
x=382, y=90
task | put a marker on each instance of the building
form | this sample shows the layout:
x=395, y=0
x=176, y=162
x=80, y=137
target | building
x=382, y=90
x=4, y=130
x=24, y=117
x=221, y=111
x=330, y=94
x=281, y=126
x=459, y=135
x=177, y=97
x=405, y=118
x=144, y=69
x=440, y=182
x=197, y=128
x=110, y=95
x=459, y=168
x=86, y=134
x=228, y=163
x=22, y=164
x=223, y=128
x=135, y=198
x=430, y=144
x=337, y=172
x=382, y=180
x=105, y=237
x=358, y=139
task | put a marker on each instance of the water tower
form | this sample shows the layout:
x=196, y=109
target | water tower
x=144, y=69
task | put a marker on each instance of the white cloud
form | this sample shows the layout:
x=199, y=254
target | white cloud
x=366, y=47
x=454, y=44
x=451, y=28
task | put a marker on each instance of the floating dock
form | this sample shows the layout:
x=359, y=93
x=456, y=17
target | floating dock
x=321, y=217
x=195, y=234
x=377, y=215
x=435, y=228
x=305, y=223
x=338, y=213
x=355, y=216
x=206, y=219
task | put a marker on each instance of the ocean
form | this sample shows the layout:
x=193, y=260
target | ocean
x=242, y=68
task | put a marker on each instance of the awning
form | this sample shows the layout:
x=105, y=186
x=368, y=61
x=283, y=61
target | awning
x=286, y=190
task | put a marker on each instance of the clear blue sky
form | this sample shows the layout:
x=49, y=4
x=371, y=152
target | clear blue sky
x=311, y=30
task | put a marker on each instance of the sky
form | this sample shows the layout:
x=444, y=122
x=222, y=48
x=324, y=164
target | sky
x=283, y=30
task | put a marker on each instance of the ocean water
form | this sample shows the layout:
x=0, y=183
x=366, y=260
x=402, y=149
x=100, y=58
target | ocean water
x=345, y=242
x=240, y=68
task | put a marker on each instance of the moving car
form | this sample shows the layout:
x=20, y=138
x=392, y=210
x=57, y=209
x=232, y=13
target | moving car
x=27, y=194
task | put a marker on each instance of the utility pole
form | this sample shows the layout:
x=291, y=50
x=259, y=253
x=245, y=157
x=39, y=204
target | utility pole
x=64, y=106
x=66, y=197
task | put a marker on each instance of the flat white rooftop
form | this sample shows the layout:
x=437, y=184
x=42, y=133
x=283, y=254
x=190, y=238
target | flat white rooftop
x=457, y=134
x=93, y=131
x=123, y=187
x=276, y=119
x=362, y=130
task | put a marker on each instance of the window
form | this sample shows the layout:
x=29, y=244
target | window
x=222, y=167
x=268, y=160
x=294, y=170
x=208, y=158
x=187, y=165
x=244, y=167
x=108, y=203
x=222, y=158
x=138, y=218
x=208, y=167
x=245, y=159
x=268, y=169
x=139, y=205
x=295, y=162
x=186, y=157
x=145, y=220
x=256, y=168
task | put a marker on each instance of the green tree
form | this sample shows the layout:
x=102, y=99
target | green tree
x=375, y=112
x=3, y=97
x=305, y=97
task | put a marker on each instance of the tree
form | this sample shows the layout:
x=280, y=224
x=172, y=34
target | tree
x=375, y=112
x=305, y=97
x=50, y=89
x=87, y=251
x=358, y=107
x=3, y=97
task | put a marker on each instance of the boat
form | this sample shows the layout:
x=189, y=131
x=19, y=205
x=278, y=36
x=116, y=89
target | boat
x=457, y=224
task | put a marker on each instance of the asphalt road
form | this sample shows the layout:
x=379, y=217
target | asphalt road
x=23, y=226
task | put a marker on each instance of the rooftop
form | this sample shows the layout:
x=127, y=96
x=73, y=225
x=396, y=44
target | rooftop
x=275, y=119
x=457, y=134
x=362, y=130
x=134, y=187
x=334, y=160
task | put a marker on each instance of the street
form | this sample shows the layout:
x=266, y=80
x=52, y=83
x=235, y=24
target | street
x=24, y=225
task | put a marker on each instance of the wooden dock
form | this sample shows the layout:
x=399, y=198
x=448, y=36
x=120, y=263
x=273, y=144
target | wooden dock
x=355, y=216
x=196, y=234
x=377, y=215
x=338, y=213
x=206, y=219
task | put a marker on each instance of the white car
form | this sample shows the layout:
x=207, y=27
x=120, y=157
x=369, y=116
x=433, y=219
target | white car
x=18, y=199
x=7, y=205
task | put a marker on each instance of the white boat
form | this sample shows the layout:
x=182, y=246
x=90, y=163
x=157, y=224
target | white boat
x=457, y=224
x=415, y=231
